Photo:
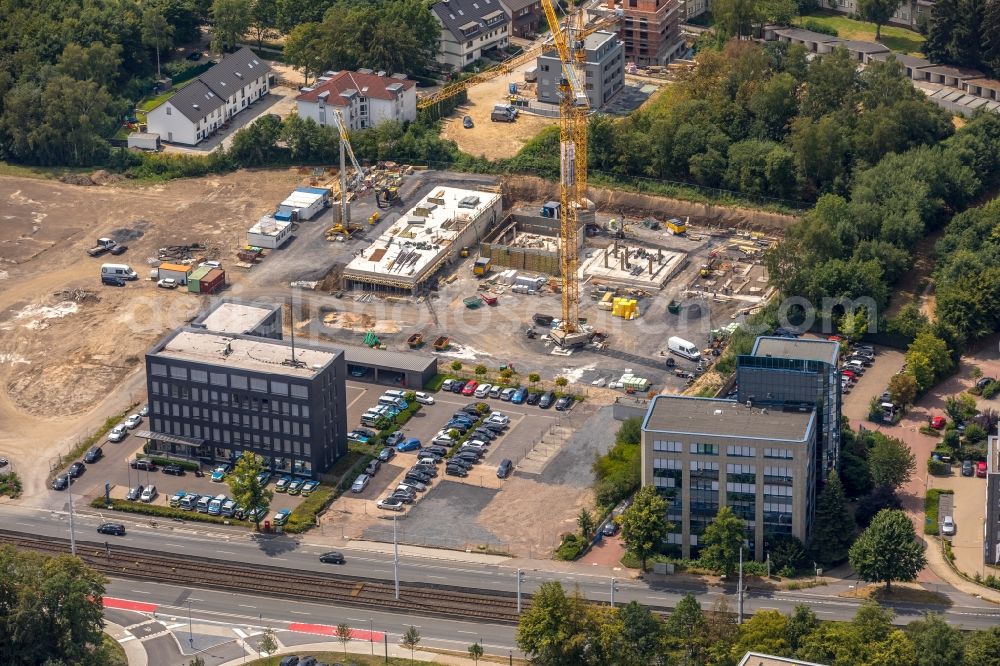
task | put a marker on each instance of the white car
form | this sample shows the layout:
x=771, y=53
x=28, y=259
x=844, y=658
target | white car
x=424, y=398
x=133, y=422
x=443, y=438
x=167, y=283
x=144, y=411
x=508, y=393
x=475, y=444
x=483, y=390
x=118, y=433
x=948, y=526
x=390, y=504
x=497, y=417
x=212, y=264
x=148, y=494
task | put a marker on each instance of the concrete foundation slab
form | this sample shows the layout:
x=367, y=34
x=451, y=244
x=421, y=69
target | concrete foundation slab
x=633, y=266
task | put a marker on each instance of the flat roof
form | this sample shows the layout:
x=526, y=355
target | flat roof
x=955, y=72
x=239, y=352
x=268, y=226
x=714, y=417
x=236, y=317
x=806, y=349
x=805, y=35
x=862, y=47
x=406, y=361
x=760, y=659
x=903, y=59
x=300, y=199
x=423, y=235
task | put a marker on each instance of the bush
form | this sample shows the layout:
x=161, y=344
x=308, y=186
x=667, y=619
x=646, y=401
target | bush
x=159, y=511
x=304, y=515
x=991, y=389
x=974, y=434
x=10, y=485
x=951, y=441
x=571, y=547
x=927, y=430
x=817, y=26
x=931, y=504
x=938, y=468
x=163, y=461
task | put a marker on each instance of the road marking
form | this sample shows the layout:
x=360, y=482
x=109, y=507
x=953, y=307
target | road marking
x=246, y=606
x=437, y=577
x=226, y=552
x=473, y=633
x=139, y=591
x=25, y=524
x=126, y=639
x=125, y=604
x=299, y=613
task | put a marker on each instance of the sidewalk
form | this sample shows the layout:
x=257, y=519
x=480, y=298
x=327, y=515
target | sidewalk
x=361, y=647
x=135, y=653
x=937, y=562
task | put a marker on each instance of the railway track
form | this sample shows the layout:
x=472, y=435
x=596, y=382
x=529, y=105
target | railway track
x=192, y=571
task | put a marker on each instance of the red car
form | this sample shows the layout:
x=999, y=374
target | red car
x=850, y=375
x=981, y=469
x=470, y=388
x=938, y=422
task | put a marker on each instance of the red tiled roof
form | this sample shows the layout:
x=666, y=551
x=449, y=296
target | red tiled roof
x=345, y=80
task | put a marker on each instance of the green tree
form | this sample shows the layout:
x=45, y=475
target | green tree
x=888, y=550
x=197, y=661
x=246, y=486
x=832, y=526
x=343, y=632
x=786, y=552
x=801, y=623
x=891, y=462
x=960, y=408
x=481, y=370
x=635, y=636
x=230, y=21
x=686, y=631
x=561, y=381
x=902, y=389
x=644, y=524
x=982, y=648
x=268, y=642
x=722, y=541
x=734, y=18
x=476, y=651
x=585, y=521
x=156, y=32
x=937, y=643
x=945, y=17
x=302, y=49
x=766, y=631
x=936, y=352
x=881, y=497
x=854, y=325
x=263, y=17
x=534, y=377
x=878, y=12
x=556, y=629
x=908, y=322
x=410, y=640
x=456, y=366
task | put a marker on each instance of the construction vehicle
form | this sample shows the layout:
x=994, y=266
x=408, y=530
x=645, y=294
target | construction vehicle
x=676, y=227
x=386, y=197
x=346, y=186
x=482, y=266
x=374, y=218
x=341, y=232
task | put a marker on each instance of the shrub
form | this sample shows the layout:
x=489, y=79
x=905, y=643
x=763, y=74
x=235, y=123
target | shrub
x=304, y=515
x=951, y=441
x=571, y=547
x=818, y=26
x=931, y=503
x=991, y=389
x=927, y=430
x=938, y=468
x=974, y=434
x=10, y=485
x=163, y=461
x=159, y=511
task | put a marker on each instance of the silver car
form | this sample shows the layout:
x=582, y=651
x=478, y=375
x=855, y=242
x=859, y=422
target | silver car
x=360, y=483
x=118, y=433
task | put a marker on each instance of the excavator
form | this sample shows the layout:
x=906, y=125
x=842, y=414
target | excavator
x=387, y=197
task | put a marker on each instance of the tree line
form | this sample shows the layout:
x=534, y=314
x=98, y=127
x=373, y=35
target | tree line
x=561, y=629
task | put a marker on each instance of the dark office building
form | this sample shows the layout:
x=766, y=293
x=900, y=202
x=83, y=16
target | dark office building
x=797, y=373
x=213, y=395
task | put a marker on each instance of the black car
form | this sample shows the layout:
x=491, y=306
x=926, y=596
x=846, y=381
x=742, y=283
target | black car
x=307, y=661
x=564, y=403
x=460, y=426
x=290, y=660
x=484, y=434
x=76, y=469
x=504, y=469
x=333, y=557
x=475, y=409
x=610, y=529
x=460, y=462
x=457, y=387
x=495, y=427
x=135, y=493
x=61, y=482
x=143, y=463
x=93, y=454
x=117, y=529
x=174, y=470
x=533, y=397
x=405, y=498
x=546, y=400
x=455, y=470
x=425, y=469
x=419, y=475
x=968, y=469
x=194, y=56
x=468, y=456
x=467, y=122
x=436, y=450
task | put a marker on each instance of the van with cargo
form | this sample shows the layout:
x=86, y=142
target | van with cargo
x=393, y=393
x=502, y=114
x=189, y=502
x=683, y=348
x=398, y=403
x=118, y=270
x=215, y=506
x=371, y=419
x=203, y=502
x=531, y=75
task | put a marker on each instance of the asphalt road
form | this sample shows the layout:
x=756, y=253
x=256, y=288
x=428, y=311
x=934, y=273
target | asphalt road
x=215, y=542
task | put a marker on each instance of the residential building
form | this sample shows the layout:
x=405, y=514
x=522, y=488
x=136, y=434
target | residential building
x=526, y=17
x=794, y=373
x=214, y=395
x=690, y=9
x=603, y=66
x=706, y=453
x=760, y=659
x=364, y=98
x=650, y=30
x=201, y=107
x=470, y=28
x=991, y=533
x=906, y=14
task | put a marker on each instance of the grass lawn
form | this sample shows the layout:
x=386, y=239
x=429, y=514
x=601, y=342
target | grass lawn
x=46, y=173
x=899, y=40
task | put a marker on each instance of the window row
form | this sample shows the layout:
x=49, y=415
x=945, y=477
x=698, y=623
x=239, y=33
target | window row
x=670, y=447
x=228, y=399
x=230, y=380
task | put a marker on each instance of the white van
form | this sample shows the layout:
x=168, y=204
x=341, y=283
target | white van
x=389, y=401
x=118, y=270
x=393, y=393
x=203, y=502
x=682, y=347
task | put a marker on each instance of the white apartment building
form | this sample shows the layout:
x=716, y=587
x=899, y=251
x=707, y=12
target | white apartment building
x=470, y=27
x=364, y=98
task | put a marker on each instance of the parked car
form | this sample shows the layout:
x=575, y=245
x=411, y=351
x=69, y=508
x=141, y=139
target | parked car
x=504, y=468
x=195, y=56
x=461, y=426
x=358, y=436
x=467, y=122
x=395, y=438
x=114, y=529
x=981, y=469
x=564, y=403
x=174, y=470
x=497, y=417
x=360, y=483
x=373, y=467
x=519, y=396
x=417, y=475
x=424, y=398
x=148, y=494
x=175, y=499
x=507, y=394
x=282, y=484
x=546, y=400
x=143, y=464
x=295, y=487
x=849, y=374
x=309, y=486
x=484, y=434
x=496, y=391
x=76, y=469
x=219, y=473
x=497, y=428
x=133, y=421
x=443, y=438
x=390, y=504
x=61, y=482
x=412, y=444
x=461, y=462
x=429, y=470
x=968, y=468
x=93, y=454
x=118, y=433
x=948, y=526
x=610, y=528
x=447, y=384
x=938, y=422
x=411, y=483
x=470, y=387
x=455, y=470
x=458, y=387
x=403, y=497
x=333, y=557
x=387, y=454
x=281, y=517
x=533, y=397
x=264, y=478
x=167, y=283
x=144, y=410
x=134, y=493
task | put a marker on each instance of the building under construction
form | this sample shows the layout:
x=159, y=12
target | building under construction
x=527, y=242
x=410, y=253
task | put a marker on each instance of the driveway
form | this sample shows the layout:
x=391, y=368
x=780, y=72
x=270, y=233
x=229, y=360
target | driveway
x=967, y=510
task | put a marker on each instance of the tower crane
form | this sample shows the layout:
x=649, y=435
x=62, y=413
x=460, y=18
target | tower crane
x=359, y=173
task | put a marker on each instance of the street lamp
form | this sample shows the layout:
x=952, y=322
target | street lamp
x=72, y=531
x=614, y=588
x=371, y=634
x=190, y=633
x=395, y=555
x=520, y=579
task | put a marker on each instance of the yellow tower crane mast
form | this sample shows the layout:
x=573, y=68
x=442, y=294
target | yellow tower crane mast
x=573, y=115
x=359, y=174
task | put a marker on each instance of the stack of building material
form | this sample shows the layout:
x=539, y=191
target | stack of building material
x=626, y=308
x=607, y=302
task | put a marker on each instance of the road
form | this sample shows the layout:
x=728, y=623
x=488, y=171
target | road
x=594, y=584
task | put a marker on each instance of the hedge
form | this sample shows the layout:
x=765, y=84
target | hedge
x=571, y=547
x=304, y=515
x=937, y=467
x=931, y=504
x=160, y=511
x=164, y=461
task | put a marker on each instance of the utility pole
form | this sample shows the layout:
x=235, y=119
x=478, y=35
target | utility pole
x=614, y=588
x=72, y=531
x=520, y=578
x=190, y=632
x=371, y=634
x=395, y=556
x=740, y=606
